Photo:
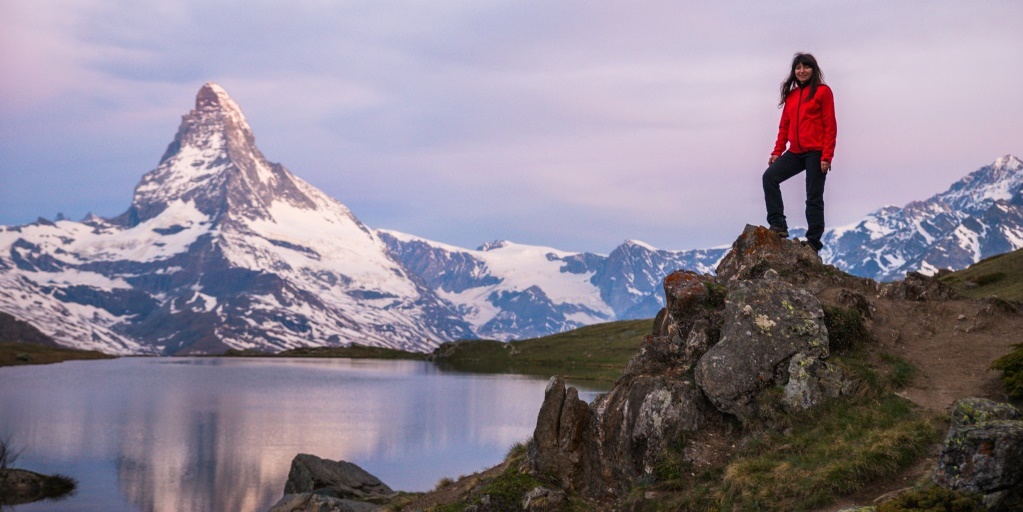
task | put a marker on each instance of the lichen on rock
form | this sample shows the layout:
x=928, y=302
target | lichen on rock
x=983, y=453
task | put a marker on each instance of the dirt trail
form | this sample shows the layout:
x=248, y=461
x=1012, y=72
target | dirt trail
x=952, y=343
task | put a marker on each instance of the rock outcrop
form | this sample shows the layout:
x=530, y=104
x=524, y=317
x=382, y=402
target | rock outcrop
x=20, y=486
x=766, y=322
x=718, y=345
x=316, y=484
x=12, y=329
x=983, y=453
x=312, y=502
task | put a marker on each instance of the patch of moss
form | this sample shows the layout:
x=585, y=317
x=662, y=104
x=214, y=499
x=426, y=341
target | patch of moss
x=933, y=499
x=845, y=328
x=506, y=491
x=900, y=372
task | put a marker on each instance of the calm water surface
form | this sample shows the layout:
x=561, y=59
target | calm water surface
x=198, y=434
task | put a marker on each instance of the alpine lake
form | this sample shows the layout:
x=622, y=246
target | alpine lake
x=214, y=434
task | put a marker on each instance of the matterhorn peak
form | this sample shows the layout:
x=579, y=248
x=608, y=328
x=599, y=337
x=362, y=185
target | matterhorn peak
x=213, y=96
x=214, y=165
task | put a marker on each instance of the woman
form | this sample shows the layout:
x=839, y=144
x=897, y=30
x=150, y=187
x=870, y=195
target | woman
x=808, y=129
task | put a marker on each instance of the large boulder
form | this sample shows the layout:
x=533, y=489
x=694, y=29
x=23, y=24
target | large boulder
x=766, y=322
x=983, y=453
x=600, y=450
x=640, y=421
x=758, y=249
x=339, y=479
x=312, y=502
x=812, y=381
x=557, y=447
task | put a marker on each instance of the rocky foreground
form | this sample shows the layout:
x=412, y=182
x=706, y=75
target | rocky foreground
x=732, y=359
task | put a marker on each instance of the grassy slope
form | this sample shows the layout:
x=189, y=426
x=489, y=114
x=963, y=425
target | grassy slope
x=594, y=353
x=998, y=276
x=13, y=353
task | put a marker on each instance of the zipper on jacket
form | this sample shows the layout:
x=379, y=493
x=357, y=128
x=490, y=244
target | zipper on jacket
x=799, y=108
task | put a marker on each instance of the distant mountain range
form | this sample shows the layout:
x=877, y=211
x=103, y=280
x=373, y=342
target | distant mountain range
x=222, y=249
x=979, y=216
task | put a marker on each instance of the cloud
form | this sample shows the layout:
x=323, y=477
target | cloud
x=573, y=124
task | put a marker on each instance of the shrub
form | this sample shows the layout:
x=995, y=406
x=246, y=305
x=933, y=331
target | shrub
x=8, y=455
x=845, y=327
x=517, y=450
x=986, y=279
x=1011, y=366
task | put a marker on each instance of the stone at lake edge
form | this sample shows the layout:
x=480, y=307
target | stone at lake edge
x=20, y=486
x=340, y=479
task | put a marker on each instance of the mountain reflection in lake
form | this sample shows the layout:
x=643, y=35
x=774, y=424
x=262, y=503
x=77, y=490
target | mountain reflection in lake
x=195, y=434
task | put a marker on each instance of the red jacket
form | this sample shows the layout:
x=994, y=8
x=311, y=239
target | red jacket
x=808, y=124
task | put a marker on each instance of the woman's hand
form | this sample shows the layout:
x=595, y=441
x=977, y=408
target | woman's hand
x=772, y=159
x=825, y=166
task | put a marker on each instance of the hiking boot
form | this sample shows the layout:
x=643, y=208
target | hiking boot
x=781, y=232
x=816, y=246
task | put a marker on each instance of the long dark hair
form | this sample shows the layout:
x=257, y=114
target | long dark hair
x=816, y=78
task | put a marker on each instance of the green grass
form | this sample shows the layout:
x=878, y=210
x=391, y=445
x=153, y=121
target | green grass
x=806, y=460
x=998, y=276
x=15, y=353
x=931, y=498
x=592, y=353
x=827, y=452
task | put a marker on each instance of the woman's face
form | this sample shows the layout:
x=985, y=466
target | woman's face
x=803, y=72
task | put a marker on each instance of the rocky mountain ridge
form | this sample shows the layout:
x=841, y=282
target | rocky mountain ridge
x=979, y=216
x=513, y=291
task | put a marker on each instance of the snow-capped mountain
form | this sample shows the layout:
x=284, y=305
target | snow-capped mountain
x=512, y=291
x=220, y=248
x=979, y=216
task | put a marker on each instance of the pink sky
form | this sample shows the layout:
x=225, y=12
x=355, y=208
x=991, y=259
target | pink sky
x=570, y=124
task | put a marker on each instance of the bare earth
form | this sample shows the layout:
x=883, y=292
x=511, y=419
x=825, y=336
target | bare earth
x=952, y=344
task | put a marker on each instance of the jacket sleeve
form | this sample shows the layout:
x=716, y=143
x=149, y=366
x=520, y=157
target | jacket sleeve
x=829, y=123
x=783, y=131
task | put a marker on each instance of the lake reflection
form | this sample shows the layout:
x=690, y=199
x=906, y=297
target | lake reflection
x=184, y=434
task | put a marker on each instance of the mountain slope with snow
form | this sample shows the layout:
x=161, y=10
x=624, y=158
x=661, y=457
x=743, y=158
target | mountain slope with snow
x=219, y=249
x=513, y=291
x=979, y=216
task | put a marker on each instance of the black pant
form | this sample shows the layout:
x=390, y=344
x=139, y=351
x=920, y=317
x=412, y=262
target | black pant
x=786, y=166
